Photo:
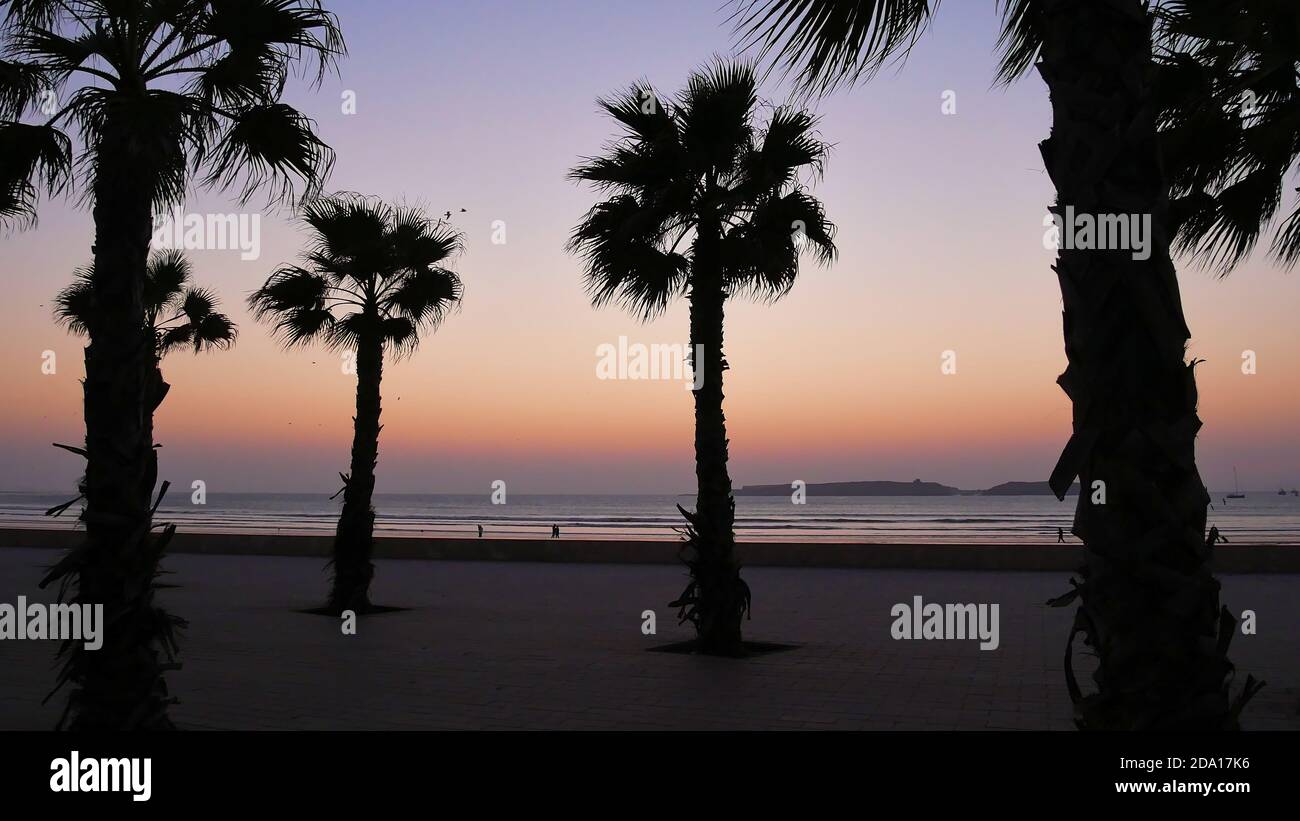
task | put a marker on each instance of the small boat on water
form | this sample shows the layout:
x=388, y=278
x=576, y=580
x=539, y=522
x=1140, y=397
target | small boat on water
x=1236, y=488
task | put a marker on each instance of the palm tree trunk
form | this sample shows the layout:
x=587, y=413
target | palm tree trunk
x=717, y=594
x=1149, y=604
x=354, y=539
x=120, y=686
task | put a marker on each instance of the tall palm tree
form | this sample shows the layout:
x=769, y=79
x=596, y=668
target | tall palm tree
x=1230, y=122
x=1149, y=604
x=704, y=203
x=372, y=283
x=177, y=313
x=157, y=94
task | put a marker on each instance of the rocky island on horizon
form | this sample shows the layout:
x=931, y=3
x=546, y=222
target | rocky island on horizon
x=916, y=487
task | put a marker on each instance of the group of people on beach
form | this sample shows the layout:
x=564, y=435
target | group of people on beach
x=555, y=531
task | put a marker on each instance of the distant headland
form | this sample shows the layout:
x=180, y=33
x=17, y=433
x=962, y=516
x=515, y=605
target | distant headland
x=916, y=487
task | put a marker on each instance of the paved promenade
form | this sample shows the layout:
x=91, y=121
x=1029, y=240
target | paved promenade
x=541, y=646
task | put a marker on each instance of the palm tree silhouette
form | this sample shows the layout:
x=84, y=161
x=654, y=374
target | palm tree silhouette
x=1230, y=105
x=1149, y=604
x=373, y=282
x=700, y=167
x=178, y=314
x=159, y=95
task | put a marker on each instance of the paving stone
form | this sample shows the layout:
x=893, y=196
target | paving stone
x=508, y=645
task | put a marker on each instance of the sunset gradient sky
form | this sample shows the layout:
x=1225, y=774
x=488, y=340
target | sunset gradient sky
x=485, y=106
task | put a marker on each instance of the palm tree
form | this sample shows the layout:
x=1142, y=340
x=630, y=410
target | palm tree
x=1149, y=605
x=1230, y=108
x=178, y=314
x=704, y=203
x=372, y=283
x=158, y=94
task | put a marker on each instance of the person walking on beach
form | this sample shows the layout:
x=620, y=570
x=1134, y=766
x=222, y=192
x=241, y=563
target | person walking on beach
x=555, y=531
x=480, y=531
x=1060, y=535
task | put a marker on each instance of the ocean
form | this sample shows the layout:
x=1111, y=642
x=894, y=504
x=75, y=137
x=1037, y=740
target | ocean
x=1261, y=518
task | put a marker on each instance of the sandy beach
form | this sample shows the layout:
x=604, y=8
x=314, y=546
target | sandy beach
x=526, y=645
x=1007, y=557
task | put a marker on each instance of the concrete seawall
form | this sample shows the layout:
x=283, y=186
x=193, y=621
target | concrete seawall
x=1228, y=558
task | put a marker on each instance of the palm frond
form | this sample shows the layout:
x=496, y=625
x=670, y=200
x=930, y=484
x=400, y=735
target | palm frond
x=418, y=241
x=349, y=236
x=1286, y=242
x=63, y=54
x=620, y=243
x=241, y=78
x=166, y=275
x=400, y=335
x=348, y=331
x=271, y=147
x=285, y=31
x=20, y=14
x=424, y=297
x=648, y=156
x=173, y=339
x=1229, y=119
x=215, y=331
x=762, y=254
x=828, y=43
x=198, y=305
x=716, y=112
x=642, y=112
x=1225, y=234
x=789, y=146
x=74, y=306
x=36, y=158
x=21, y=84
x=294, y=299
x=1020, y=40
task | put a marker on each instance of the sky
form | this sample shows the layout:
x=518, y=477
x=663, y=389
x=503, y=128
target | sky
x=485, y=106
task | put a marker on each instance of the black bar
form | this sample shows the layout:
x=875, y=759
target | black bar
x=205, y=771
